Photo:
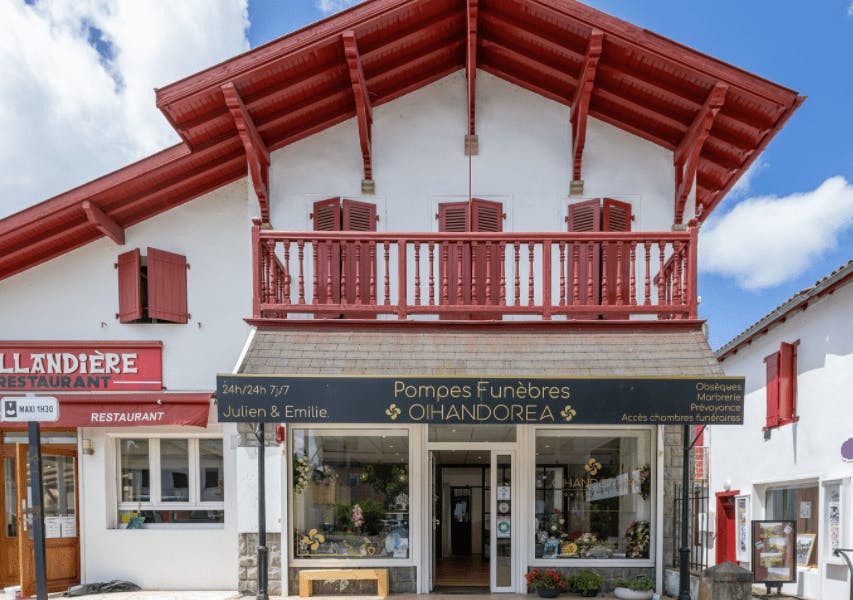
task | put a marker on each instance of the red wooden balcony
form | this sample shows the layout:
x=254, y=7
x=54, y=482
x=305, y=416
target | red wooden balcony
x=488, y=276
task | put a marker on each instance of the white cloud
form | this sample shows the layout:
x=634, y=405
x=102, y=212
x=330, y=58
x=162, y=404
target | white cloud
x=328, y=7
x=69, y=113
x=763, y=241
x=743, y=186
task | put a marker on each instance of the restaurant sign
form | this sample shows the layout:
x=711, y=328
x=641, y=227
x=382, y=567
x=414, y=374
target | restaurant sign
x=77, y=366
x=472, y=400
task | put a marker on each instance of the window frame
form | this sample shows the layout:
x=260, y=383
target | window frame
x=155, y=503
x=594, y=431
x=415, y=435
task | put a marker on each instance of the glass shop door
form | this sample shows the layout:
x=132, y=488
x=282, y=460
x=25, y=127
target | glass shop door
x=503, y=526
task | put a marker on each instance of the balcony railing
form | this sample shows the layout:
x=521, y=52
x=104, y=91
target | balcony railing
x=475, y=275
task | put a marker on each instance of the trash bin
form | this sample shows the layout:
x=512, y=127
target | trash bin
x=13, y=593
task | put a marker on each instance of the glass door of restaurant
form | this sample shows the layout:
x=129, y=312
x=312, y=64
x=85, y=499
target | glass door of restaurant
x=62, y=544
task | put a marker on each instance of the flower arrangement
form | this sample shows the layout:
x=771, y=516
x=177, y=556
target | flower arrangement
x=637, y=537
x=587, y=582
x=357, y=516
x=640, y=583
x=301, y=473
x=585, y=541
x=549, y=579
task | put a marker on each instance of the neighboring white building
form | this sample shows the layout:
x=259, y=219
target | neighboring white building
x=786, y=461
x=408, y=188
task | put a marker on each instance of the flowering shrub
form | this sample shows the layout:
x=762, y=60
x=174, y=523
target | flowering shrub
x=548, y=579
x=637, y=536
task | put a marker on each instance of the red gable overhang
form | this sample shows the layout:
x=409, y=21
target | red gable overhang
x=309, y=80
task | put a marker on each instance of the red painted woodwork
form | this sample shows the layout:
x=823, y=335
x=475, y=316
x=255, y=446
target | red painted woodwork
x=327, y=267
x=361, y=97
x=725, y=528
x=167, y=286
x=129, y=267
x=615, y=216
x=781, y=386
x=471, y=62
x=300, y=84
x=580, y=102
x=105, y=224
x=359, y=256
x=585, y=258
x=257, y=155
x=531, y=261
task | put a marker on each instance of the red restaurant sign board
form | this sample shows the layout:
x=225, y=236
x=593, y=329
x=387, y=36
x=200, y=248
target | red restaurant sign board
x=78, y=366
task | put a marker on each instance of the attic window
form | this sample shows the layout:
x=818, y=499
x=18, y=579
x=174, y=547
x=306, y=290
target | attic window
x=152, y=288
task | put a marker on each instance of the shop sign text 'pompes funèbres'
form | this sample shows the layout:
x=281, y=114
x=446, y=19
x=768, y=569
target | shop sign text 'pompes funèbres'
x=473, y=400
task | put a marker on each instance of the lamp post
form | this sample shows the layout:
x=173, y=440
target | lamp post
x=684, y=551
x=262, y=516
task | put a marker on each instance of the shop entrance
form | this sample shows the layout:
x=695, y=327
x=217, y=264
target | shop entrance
x=62, y=546
x=471, y=516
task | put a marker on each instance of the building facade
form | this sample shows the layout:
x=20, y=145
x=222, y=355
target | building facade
x=476, y=191
x=797, y=364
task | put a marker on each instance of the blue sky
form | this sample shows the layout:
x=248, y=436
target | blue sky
x=78, y=102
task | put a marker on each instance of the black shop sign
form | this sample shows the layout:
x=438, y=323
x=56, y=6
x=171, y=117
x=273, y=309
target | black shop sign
x=480, y=400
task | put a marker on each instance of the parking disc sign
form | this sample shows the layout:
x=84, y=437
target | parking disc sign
x=29, y=408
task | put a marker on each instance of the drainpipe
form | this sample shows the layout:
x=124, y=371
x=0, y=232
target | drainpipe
x=684, y=551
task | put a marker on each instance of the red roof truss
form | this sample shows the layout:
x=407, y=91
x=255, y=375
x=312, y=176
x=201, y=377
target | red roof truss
x=345, y=66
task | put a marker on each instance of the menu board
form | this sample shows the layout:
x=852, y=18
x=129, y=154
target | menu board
x=774, y=551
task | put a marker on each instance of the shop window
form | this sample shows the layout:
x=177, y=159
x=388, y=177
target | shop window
x=169, y=481
x=350, y=494
x=593, y=495
x=782, y=386
x=152, y=288
x=800, y=504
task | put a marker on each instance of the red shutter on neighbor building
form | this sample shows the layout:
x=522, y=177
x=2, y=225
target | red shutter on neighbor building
x=487, y=217
x=358, y=216
x=584, y=217
x=772, y=362
x=455, y=217
x=129, y=267
x=787, y=383
x=167, y=286
x=327, y=217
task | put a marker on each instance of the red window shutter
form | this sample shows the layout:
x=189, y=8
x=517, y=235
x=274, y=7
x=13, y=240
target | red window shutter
x=327, y=217
x=787, y=383
x=616, y=216
x=358, y=216
x=129, y=267
x=167, y=286
x=583, y=217
x=486, y=216
x=455, y=217
x=772, y=362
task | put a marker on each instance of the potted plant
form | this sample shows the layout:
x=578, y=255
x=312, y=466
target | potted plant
x=587, y=582
x=548, y=583
x=636, y=588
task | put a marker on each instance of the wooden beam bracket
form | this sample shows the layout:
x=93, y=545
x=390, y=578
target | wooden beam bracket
x=688, y=151
x=257, y=154
x=363, y=108
x=471, y=141
x=106, y=224
x=580, y=104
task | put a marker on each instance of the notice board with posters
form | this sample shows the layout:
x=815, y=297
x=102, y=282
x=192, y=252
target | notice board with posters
x=774, y=551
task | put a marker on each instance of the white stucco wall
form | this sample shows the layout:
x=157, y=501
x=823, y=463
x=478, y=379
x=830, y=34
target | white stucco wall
x=808, y=451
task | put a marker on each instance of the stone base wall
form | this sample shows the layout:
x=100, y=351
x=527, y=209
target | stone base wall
x=401, y=580
x=673, y=463
x=247, y=582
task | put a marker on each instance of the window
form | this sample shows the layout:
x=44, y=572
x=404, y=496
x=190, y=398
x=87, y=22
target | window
x=603, y=259
x=350, y=493
x=463, y=265
x=152, y=288
x=348, y=269
x=782, y=386
x=593, y=495
x=167, y=481
x=800, y=504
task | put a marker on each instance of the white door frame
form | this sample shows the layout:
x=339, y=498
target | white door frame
x=518, y=528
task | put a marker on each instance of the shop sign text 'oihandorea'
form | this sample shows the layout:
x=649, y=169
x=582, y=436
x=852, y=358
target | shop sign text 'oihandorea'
x=471, y=400
x=78, y=366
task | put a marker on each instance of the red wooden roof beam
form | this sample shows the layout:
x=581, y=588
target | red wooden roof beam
x=580, y=102
x=105, y=224
x=471, y=68
x=363, y=109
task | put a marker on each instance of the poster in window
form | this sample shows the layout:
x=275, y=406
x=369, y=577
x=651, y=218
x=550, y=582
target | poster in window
x=774, y=551
x=805, y=509
x=805, y=546
x=742, y=529
x=834, y=518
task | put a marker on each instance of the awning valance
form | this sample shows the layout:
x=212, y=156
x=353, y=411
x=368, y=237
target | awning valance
x=130, y=409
